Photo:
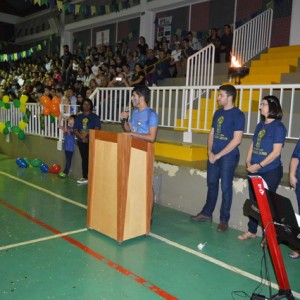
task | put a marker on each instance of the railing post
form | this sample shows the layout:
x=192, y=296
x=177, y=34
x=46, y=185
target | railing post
x=188, y=135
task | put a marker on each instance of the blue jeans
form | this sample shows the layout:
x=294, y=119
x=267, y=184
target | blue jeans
x=272, y=178
x=222, y=169
x=69, y=155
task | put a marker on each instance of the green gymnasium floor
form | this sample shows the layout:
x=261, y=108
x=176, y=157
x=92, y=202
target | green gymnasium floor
x=46, y=251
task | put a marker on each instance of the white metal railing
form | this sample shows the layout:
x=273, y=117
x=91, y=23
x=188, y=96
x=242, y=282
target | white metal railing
x=169, y=103
x=253, y=37
x=200, y=67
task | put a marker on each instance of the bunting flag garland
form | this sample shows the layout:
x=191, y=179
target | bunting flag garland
x=87, y=10
x=25, y=53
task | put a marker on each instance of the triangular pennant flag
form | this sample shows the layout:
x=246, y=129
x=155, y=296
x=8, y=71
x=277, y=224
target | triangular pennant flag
x=83, y=10
x=93, y=10
x=77, y=9
x=102, y=10
x=107, y=9
x=72, y=8
x=52, y=4
x=270, y=5
x=60, y=6
x=67, y=7
x=88, y=11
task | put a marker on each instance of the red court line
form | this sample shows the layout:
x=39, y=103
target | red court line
x=93, y=253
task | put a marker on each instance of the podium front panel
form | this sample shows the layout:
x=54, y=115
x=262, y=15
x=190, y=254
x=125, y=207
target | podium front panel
x=136, y=204
x=103, y=213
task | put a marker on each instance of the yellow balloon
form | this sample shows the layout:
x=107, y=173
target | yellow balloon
x=23, y=99
x=5, y=99
x=22, y=125
x=22, y=107
x=2, y=126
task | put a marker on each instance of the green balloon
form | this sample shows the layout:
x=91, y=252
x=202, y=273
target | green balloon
x=21, y=135
x=36, y=163
x=15, y=129
x=5, y=131
x=7, y=105
x=7, y=124
x=17, y=103
x=1, y=103
x=28, y=162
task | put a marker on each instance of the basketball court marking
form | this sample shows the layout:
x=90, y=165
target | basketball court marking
x=44, y=190
x=148, y=285
x=169, y=242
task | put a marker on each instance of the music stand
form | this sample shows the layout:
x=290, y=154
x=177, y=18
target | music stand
x=270, y=212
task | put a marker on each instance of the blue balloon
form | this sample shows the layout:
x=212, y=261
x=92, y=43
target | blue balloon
x=18, y=160
x=21, y=163
x=44, y=168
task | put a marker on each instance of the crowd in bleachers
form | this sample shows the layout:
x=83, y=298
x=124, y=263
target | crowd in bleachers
x=74, y=76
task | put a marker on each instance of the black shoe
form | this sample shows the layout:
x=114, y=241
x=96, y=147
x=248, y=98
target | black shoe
x=200, y=217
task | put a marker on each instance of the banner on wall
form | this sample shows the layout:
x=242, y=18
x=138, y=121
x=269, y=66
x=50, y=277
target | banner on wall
x=102, y=37
x=164, y=28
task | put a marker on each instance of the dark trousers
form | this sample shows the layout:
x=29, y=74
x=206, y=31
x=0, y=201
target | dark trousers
x=84, y=153
x=223, y=169
x=272, y=178
x=69, y=155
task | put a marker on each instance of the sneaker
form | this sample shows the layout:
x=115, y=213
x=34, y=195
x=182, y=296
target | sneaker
x=82, y=180
x=200, y=217
x=62, y=175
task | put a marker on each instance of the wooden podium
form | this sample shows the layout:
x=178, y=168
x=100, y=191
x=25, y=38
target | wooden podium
x=120, y=194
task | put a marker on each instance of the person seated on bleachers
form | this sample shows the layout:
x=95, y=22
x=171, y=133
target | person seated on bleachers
x=125, y=49
x=89, y=75
x=162, y=68
x=138, y=77
x=119, y=81
x=216, y=41
x=193, y=42
x=127, y=72
x=176, y=60
x=165, y=48
x=130, y=61
x=150, y=66
x=174, y=40
x=186, y=52
x=226, y=42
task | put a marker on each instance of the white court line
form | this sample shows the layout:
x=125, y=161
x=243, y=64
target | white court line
x=44, y=190
x=186, y=249
x=217, y=262
x=43, y=239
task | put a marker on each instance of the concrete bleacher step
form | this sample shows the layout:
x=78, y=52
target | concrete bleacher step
x=293, y=78
x=270, y=66
x=275, y=69
x=293, y=61
x=180, y=151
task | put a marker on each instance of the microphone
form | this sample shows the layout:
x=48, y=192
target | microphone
x=125, y=120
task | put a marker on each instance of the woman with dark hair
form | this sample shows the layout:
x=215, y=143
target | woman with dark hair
x=264, y=154
x=138, y=77
x=84, y=122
